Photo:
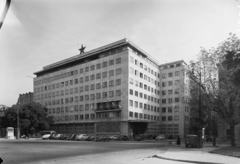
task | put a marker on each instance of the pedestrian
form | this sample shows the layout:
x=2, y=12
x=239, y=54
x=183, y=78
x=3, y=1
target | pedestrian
x=178, y=141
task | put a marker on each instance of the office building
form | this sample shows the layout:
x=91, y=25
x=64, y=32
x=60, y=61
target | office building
x=114, y=89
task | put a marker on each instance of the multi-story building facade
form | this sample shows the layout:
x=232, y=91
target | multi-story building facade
x=114, y=89
x=175, y=94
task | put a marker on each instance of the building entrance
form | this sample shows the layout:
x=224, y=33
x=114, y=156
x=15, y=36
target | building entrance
x=138, y=128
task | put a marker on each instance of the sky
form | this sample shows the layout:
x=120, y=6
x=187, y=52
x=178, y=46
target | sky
x=36, y=33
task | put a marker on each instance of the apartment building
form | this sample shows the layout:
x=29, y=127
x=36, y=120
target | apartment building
x=175, y=94
x=114, y=89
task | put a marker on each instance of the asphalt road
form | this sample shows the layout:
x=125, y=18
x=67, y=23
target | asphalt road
x=40, y=151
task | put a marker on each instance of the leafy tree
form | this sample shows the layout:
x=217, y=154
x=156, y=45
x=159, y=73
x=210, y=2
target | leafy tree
x=31, y=116
x=220, y=74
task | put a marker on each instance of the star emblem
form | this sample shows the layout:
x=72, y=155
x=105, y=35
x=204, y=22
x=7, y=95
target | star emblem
x=82, y=50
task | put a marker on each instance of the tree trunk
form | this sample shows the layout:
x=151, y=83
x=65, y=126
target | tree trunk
x=232, y=132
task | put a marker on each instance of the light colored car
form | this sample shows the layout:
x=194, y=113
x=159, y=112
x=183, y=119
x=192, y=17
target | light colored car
x=160, y=137
x=81, y=137
x=114, y=137
x=47, y=134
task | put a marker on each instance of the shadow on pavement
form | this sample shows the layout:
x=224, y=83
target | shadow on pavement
x=179, y=160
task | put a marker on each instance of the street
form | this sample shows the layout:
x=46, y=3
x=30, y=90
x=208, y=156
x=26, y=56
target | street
x=52, y=151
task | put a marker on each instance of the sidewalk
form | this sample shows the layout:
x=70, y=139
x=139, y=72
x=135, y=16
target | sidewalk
x=196, y=155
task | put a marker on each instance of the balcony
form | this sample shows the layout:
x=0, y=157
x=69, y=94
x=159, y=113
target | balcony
x=113, y=106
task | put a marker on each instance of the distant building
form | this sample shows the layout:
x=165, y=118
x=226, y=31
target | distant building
x=175, y=96
x=25, y=98
x=114, y=89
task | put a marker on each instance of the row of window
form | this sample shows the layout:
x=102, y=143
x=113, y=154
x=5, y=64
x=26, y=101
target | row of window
x=170, y=100
x=74, y=117
x=80, y=89
x=145, y=96
x=145, y=77
x=170, y=83
x=171, y=66
x=75, y=72
x=141, y=85
x=80, y=80
x=143, y=106
x=170, y=74
x=143, y=116
x=170, y=109
x=84, y=97
x=170, y=92
x=170, y=118
x=149, y=70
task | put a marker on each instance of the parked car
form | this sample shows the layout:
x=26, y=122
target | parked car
x=51, y=137
x=81, y=137
x=63, y=137
x=123, y=138
x=161, y=137
x=71, y=137
x=139, y=137
x=102, y=138
x=47, y=134
x=191, y=140
x=113, y=137
x=57, y=136
x=90, y=137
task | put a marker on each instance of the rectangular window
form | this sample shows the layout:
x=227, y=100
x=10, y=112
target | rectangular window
x=118, y=82
x=111, y=62
x=130, y=102
x=170, y=74
x=98, y=66
x=163, y=84
x=86, y=88
x=104, y=64
x=136, y=104
x=92, y=67
x=98, y=85
x=118, y=71
x=176, y=99
x=118, y=92
x=170, y=92
x=98, y=76
x=92, y=87
x=104, y=74
x=92, y=77
x=169, y=109
x=163, y=93
x=104, y=84
x=81, y=80
x=170, y=83
x=111, y=93
x=163, y=118
x=130, y=114
x=177, y=73
x=111, y=72
x=111, y=83
x=98, y=95
x=170, y=100
x=118, y=60
x=169, y=118
x=86, y=69
x=81, y=70
x=164, y=101
x=104, y=94
x=86, y=78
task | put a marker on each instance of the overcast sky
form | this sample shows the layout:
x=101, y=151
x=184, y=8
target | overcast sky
x=36, y=33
